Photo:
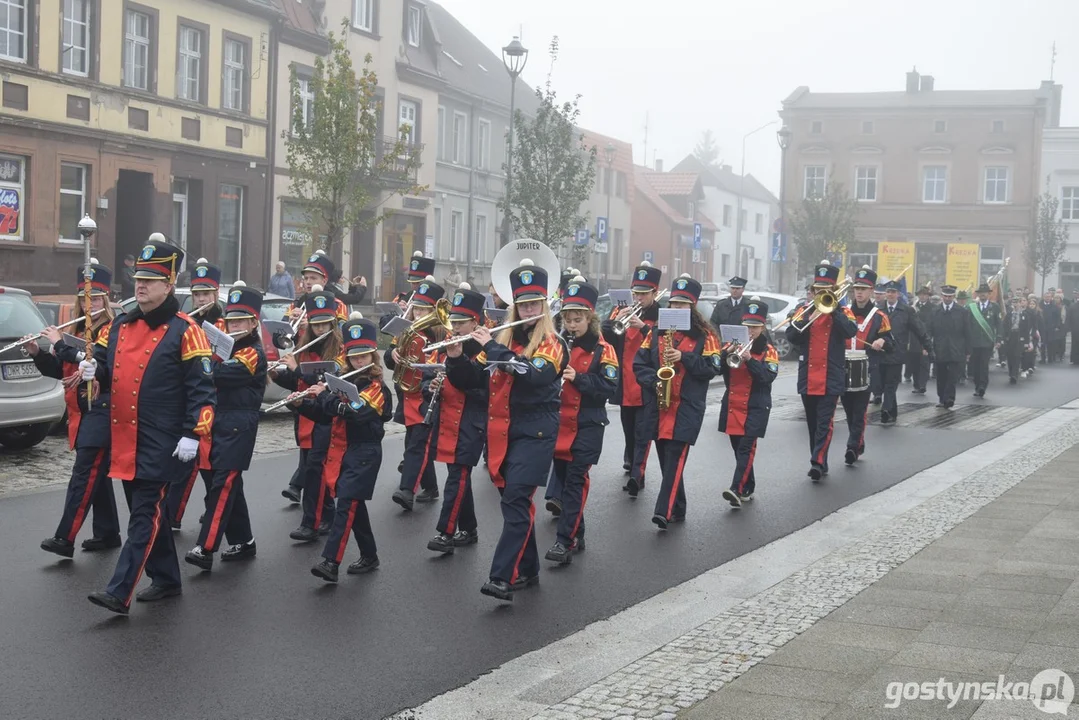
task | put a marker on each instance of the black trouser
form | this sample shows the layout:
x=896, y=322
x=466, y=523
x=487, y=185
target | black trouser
x=1029, y=358
x=316, y=501
x=149, y=543
x=569, y=483
x=419, y=468
x=180, y=492
x=516, y=555
x=947, y=375
x=876, y=384
x=672, y=493
x=890, y=374
x=350, y=516
x=745, y=450
x=918, y=368
x=642, y=441
x=979, y=367
x=820, y=416
x=1014, y=353
x=226, y=512
x=89, y=488
x=296, y=481
x=629, y=432
x=458, y=508
x=856, y=407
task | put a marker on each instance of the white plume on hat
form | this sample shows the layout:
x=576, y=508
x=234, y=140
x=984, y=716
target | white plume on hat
x=430, y=278
x=418, y=253
x=527, y=263
x=93, y=261
x=755, y=298
x=316, y=288
x=239, y=283
x=464, y=286
x=355, y=315
x=578, y=278
x=645, y=263
x=686, y=275
x=825, y=262
x=320, y=251
x=201, y=260
x=157, y=237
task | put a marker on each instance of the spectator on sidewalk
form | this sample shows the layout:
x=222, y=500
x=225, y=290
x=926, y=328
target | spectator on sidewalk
x=341, y=289
x=127, y=277
x=281, y=282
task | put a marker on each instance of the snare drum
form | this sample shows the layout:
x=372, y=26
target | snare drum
x=857, y=370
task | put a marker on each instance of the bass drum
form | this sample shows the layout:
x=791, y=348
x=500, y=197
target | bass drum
x=857, y=370
x=510, y=258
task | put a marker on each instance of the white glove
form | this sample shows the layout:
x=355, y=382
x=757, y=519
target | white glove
x=186, y=449
x=88, y=369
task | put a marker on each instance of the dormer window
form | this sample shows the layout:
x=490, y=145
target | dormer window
x=415, y=25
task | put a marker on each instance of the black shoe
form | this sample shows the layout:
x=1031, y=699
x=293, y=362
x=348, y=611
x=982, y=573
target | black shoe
x=948, y=406
x=427, y=496
x=659, y=521
x=918, y=391
x=324, y=528
x=815, y=474
x=304, y=534
x=876, y=401
x=941, y=405
x=291, y=494
x=560, y=554
x=109, y=602
x=404, y=498
x=634, y=487
x=364, y=565
x=980, y=393
x=578, y=544
x=200, y=558
x=175, y=526
x=677, y=519
x=202, y=518
x=326, y=570
x=554, y=505
x=239, y=552
x=887, y=421
x=850, y=457
x=441, y=543
x=466, y=537
x=1013, y=381
x=745, y=497
x=732, y=497
x=626, y=466
x=96, y=543
x=158, y=592
x=524, y=581
x=401, y=466
x=498, y=589
x=59, y=546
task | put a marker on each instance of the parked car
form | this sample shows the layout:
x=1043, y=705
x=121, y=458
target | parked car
x=30, y=404
x=778, y=307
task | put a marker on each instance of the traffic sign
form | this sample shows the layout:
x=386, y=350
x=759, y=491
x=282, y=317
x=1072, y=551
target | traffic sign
x=696, y=256
x=778, y=225
x=582, y=236
x=648, y=256
x=601, y=247
x=601, y=228
x=696, y=236
x=779, y=247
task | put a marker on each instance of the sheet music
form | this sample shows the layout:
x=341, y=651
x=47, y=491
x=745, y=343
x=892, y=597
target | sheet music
x=272, y=327
x=388, y=308
x=74, y=341
x=336, y=385
x=396, y=326
x=318, y=367
x=620, y=298
x=497, y=315
x=220, y=342
x=734, y=333
x=673, y=319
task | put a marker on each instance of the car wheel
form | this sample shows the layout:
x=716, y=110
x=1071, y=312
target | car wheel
x=24, y=437
x=60, y=428
x=783, y=346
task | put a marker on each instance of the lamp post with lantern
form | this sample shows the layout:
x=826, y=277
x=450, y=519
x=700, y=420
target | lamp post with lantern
x=783, y=137
x=514, y=57
x=608, y=154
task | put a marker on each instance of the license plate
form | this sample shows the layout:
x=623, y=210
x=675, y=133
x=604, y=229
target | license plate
x=20, y=371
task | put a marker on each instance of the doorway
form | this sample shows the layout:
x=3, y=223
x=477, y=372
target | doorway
x=134, y=212
x=399, y=241
x=179, y=214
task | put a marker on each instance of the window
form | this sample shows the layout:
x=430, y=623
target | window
x=414, y=26
x=756, y=269
x=865, y=184
x=72, y=200
x=862, y=253
x=230, y=207
x=814, y=181
x=136, y=50
x=727, y=215
x=816, y=127
x=439, y=252
x=724, y=264
x=619, y=184
x=998, y=126
x=479, y=253
x=232, y=87
x=407, y=120
x=485, y=148
x=13, y=21
x=441, y=139
x=867, y=127
x=363, y=15
x=12, y=196
x=457, y=222
x=307, y=102
x=460, y=128
x=616, y=250
x=758, y=224
x=1069, y=203
x=742, y=220
x=991, y=260
x=691, y=210
x=940, y=126
x=76, y=47
x=189, y=71
x=934, y=184
x=996, y=185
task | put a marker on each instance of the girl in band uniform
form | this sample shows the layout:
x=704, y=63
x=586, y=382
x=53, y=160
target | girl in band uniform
x=695, y=357
x=747, y=400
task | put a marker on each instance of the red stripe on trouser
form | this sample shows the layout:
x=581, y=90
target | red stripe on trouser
x=187, y=493
x=749, y=467
x=822, y=454
x=91, y=483
x=423, y=465
x=215, y=520
x=677, y=480
x=580, y=512
x=150, y=544
x=321, y=501
x=451, y=523
x=524, y=545
x=348, y=529
x=644, y=460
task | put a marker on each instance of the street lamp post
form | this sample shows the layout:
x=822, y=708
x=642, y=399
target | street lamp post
x=608, y=153
x=741, y=193
x=783, y=136
x=514, y=57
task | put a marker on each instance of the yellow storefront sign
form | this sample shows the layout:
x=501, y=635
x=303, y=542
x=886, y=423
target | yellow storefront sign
x=895, y=257
x=962, y=268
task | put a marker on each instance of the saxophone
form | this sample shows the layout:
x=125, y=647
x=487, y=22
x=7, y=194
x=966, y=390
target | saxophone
x=665, y=373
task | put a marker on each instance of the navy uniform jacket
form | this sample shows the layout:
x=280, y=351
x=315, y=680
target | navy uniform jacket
x=355, y=455
x=460, y=416
x=689, y=387
x=584, y=399
x=240, y=383
x=747, y=403
x=86, y=427
x=309, y=434
x=158, y=368
x=877, y=327
x=822, y=365
x=951, y=333
x=907, y=331
x=726, y=314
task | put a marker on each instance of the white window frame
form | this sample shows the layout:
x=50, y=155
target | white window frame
x=996, y=197
x=940, y=126
x=756, y=268
x=758, y=223
x=457, y=224
x=460, y=138
x=728, y=211
x=19, y=33
x=989, y=266
x=866, y=178
x=484, y=159
x=479, y=253
x=867, y=127
x=819, y=179
x=363, y=15
x=415, y=25
x=135, y=44
x=816, y=127
x=441, y=149
x=307, y=101
x=1069, y=203
x=993, y=126
x=239, y=226
x=70, y=25
x=403, y=119
x=439, y=252
x=234, y=73
x=81, y=193
x=17, y=185
x=941, y=182
x=189, y=56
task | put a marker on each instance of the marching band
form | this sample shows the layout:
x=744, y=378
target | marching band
x=157, y=402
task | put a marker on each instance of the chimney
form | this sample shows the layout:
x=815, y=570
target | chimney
x=912, y=81
x=1052, y=93
x=927, y=83
x=659, y=166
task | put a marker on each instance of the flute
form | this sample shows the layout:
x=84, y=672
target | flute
x=30, y=338
x=300, y=349
x=462, y=338
x=292, y=397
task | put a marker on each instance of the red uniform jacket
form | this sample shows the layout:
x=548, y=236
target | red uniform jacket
x=626, y=347
x=584, y=399
x=700, y=362
x=747, y=402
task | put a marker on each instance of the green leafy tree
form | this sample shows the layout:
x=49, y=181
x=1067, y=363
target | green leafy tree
x=822, y=227
x=341, y=169
x=706, y=150
x=1048, y=244
x=553, y=170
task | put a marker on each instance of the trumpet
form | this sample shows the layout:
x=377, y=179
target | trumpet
x=462, y=338
x=293, y=397
x=665, y=374
x=737, y=354
x=622, y=323
x=40, y=335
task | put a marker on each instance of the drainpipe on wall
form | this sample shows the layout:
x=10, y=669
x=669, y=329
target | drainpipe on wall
x=271, y=154
x=471, y=190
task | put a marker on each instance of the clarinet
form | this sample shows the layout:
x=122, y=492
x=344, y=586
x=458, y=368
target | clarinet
x=429, y=417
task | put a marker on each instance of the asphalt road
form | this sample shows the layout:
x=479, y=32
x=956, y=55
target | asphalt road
x=266, y=639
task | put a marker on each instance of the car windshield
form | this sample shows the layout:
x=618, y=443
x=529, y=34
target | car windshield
x=18, y=316
x=275, y=309
x=50, y=311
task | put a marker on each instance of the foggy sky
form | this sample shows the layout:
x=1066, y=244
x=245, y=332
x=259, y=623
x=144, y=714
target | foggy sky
x=726, y=66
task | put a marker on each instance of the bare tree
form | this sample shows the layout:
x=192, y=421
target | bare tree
x=1048, y=244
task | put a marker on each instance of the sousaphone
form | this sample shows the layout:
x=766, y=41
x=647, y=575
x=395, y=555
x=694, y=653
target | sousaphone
x=509, y=259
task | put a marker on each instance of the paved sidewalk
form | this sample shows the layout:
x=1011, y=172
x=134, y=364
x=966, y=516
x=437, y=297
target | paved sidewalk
x=995, y=595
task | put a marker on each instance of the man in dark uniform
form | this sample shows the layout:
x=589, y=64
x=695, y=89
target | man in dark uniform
x=950, y=327
x=729, y=310
x=822, y=369
x=907, y=330
x=917, y=360
x=984, y=333
x=874, y=337
x=159, y=358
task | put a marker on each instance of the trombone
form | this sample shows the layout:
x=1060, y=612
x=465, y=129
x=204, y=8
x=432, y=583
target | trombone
x=622, y=323
x=38, y=336
x=824, y=303
x=462, y=338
